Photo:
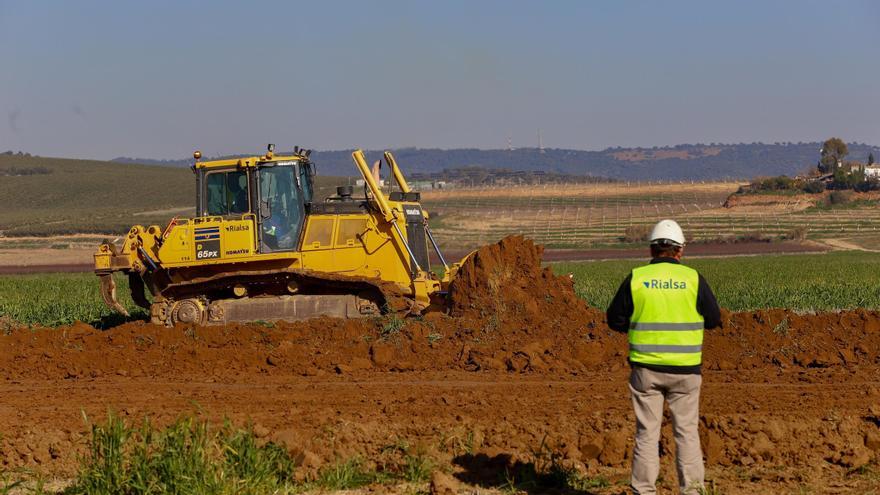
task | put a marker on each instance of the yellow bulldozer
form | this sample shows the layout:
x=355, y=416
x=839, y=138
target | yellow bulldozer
x=262, y=247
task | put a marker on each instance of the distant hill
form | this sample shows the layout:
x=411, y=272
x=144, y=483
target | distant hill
x=47, y=196
x=681, y=162
x=60, y=196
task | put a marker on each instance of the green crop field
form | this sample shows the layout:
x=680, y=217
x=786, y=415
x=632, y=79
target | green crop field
x=833, y=281
x=815, y=282
x=59, y=299
x=56, y=196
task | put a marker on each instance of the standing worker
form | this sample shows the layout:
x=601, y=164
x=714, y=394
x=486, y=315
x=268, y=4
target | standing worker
x=664, y=307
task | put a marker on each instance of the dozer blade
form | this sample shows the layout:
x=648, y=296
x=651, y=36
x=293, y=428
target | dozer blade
x=108, y=292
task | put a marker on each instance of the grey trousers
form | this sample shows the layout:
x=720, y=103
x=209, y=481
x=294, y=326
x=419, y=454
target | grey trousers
x=649, y=389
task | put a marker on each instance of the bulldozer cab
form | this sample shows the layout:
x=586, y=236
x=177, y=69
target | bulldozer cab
x=271, y=193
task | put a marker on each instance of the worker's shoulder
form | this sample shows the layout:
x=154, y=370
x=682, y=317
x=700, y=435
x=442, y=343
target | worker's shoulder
x=693, y=272
x=689, y=268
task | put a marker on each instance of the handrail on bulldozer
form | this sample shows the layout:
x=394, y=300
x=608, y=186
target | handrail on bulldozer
x=395, y=170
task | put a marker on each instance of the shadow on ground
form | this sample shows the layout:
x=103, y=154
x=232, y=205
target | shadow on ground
x=503, y=471
x=116, y=319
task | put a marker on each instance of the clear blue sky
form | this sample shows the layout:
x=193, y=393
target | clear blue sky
x=161, y=78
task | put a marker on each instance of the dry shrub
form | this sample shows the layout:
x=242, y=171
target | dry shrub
x=7, y=324
x=752, y=236
x=839, y=197
x=637, y=233
x=814, y=187
x=796, y=234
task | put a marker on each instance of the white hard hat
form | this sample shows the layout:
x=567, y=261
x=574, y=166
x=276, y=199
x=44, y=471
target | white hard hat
x=669, y=231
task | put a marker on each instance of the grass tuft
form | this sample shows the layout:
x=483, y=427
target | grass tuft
x=188, y=457
x=347, y=475
x=781, y=328
x=417, y=468
x=709, y=489
x=392, y=327
x=9, y=483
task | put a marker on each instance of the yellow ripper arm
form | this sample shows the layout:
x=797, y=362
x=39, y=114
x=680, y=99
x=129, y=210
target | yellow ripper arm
x=133, y=258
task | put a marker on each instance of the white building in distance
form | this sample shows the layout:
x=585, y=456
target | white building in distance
x=872, y=172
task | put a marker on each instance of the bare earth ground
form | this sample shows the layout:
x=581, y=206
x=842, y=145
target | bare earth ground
x=519, y=368
x=782, y=202
x=46, y=257
x=67, y=250
x=503, y=414
x=854, y=244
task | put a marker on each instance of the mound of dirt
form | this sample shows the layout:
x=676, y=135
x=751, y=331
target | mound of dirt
x=507, y=277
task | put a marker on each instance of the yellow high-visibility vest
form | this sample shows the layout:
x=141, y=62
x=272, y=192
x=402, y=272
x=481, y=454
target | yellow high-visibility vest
x=665, y=328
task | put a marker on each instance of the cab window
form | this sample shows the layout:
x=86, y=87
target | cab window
x=305, y=181
x=281, y=208
x=227, y=193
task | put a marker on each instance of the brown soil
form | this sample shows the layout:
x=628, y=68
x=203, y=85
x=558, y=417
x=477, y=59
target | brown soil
x=771, y=202
x=59, y=268
x=34, y=258
x=789, y=202
x=789, y=400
